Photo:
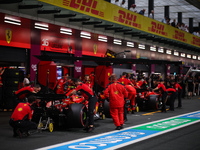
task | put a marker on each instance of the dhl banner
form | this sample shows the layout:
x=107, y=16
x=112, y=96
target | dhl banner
x=109, y=12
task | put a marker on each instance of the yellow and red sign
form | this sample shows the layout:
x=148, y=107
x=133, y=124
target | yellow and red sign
x=113, y=13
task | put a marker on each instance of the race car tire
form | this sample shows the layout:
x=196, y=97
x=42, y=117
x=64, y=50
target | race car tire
x=77, y=115
x=153, y=102
x=107, y=109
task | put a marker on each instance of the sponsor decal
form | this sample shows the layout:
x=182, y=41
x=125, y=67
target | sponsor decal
x=196, y=41
x=179, y=35
x=157, y=28
x=84, y=5
x=127, y=18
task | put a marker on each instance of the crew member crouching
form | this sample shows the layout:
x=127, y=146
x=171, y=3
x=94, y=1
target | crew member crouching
x=21, y=118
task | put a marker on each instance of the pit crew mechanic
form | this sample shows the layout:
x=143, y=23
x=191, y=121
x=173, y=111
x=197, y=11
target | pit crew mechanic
x=89, y=95
x=20, y=119
x=163, y=91
x=25, y=92
x=117, y=93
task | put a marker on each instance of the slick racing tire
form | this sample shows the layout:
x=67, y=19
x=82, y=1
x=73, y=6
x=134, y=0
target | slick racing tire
x=153, y=102
x=107, y=109
x=77, y=115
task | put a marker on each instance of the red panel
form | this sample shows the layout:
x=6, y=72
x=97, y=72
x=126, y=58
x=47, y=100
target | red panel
x=54, y=41
x=93, y=47
x=43, y=67
x=102, y=74
x=88, y=70
x=20, y=35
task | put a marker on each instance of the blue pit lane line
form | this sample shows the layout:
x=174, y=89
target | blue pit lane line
x=117, y=139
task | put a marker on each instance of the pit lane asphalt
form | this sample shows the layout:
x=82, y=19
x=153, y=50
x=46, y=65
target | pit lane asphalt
x=186, y=138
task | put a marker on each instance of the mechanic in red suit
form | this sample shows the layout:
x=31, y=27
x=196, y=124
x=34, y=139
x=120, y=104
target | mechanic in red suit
x=124, y=80
x=87, y=81
x=20, y=119
x=131, y=96
x=163, y=91
x=172, y=93
x=88, y=94
x=117, y=94
x=25, y=92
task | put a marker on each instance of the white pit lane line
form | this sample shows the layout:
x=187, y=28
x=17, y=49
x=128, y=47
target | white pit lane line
x=131, y=142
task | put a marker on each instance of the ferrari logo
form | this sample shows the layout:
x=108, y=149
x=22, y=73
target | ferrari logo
x=20, y=109
x=8, y=35
x=116, y=92
x=95, y=48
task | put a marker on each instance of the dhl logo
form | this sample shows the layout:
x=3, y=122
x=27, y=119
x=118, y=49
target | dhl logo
x=196, y=41
x=179, y=36
x=157, y=28
x=84, y=5
x=127, y=18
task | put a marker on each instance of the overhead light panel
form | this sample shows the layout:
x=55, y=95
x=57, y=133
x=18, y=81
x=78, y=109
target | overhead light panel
x=141, y=46
x=194, y=57
x=66, y=31
x=188, y=56
x=169, y=52
x=161, y=50
x=86, y=35
x=118, y=42
x=130, y=44
x=102, y=38
x=182, y=54
x=12, y=20
x=153, y=48
x=41, y=26
x=176, y=53
x=198, y=57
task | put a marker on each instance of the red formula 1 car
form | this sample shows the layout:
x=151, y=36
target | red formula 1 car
x=70, y=112
x=147, y=100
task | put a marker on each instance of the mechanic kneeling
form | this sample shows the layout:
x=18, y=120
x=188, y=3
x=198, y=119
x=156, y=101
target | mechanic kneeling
x=20, y=119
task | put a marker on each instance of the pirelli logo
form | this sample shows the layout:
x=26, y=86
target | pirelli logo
x=85, y=6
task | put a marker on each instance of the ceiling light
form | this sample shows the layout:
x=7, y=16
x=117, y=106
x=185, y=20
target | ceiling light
x=102, y=38
x=182, y=54
x=130, y=44
x=198, y=57
x=118, y=42
x=141, y=46
x=153, y=48
x=12, y=20
x=41, y=26
x=86, y=35
x=188, y=56
x=176, y=53
x=161, y=50
x=168, y=52
x=194, y=57
x=66, y=31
